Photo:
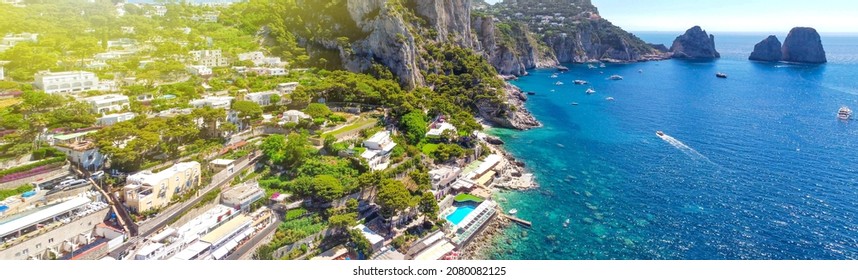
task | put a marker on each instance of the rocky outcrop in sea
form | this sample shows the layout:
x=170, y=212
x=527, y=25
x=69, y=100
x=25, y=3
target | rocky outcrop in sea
x=803, y=45
x=511, y=114
x=767, y=50
x=695, y=44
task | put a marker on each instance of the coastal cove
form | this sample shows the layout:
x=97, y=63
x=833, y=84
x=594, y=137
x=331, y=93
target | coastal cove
x=756, y=166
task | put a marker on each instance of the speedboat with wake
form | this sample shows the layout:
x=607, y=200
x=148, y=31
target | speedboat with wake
x=590, y=91
x=659, y=133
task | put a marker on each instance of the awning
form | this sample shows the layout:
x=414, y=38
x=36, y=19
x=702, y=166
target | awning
x=220, y=253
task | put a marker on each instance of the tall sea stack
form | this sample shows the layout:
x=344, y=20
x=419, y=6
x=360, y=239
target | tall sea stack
x=803, y=45
x=767, y=50
x=695, y=44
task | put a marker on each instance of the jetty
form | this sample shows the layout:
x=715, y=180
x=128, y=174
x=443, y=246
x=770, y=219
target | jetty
x=519, y=221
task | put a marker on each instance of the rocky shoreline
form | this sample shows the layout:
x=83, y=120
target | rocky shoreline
x=477, y=248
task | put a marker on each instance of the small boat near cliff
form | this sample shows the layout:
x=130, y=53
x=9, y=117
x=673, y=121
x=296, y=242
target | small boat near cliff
x=721, y=75
x=513, y=211
x=531, y=93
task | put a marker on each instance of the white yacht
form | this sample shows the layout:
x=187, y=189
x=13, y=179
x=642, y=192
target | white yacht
x=844, y=113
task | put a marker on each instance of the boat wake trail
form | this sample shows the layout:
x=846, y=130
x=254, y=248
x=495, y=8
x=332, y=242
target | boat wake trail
x=691, y=152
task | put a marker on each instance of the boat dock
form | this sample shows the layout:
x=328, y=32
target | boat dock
x=520, y=221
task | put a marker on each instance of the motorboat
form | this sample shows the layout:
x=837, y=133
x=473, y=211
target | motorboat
x=559, y=83
x=591, y=66
x=580, y=82
x=590, y=91
x=566, y=223
x=531, y=93
x=616, y=77
x=574, y=103
x=844, y=113
x=659, y=133
x=554, y=76
x=601, y=65
x=640, y=70
x=513, y=211
x=562, y=68
x=609, y=98
x=721, y=75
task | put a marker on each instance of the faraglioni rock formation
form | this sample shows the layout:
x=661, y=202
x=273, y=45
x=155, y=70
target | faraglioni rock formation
x=695, y=44
x=767, y=50
x=803, y=45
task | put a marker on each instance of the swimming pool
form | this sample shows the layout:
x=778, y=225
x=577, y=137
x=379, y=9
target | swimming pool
x=461, y=212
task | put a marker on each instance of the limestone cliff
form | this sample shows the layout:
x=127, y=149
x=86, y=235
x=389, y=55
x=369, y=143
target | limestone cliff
x=510, y=48
x=450, y=19
x=767, y=50
x=803, y=45
x=695, y=44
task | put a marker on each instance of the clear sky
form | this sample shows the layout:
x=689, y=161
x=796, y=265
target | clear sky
x=730, y=15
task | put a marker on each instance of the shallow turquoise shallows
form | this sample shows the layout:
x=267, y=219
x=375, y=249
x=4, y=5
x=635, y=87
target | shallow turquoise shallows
x=754, y=166
x=461, y=212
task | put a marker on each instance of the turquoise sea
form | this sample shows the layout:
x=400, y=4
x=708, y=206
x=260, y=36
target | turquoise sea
x=756, y=166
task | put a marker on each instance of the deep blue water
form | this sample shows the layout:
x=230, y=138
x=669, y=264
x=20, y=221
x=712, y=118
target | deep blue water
x=757, y=166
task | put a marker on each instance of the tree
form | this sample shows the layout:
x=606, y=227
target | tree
x=415, y=126
x=392, y=197
x=428, y=205
x=297, y=149
x=342, y=221
x=247, y=111
x=327, y=187
x=211, y=118
x=352, y=205
x=317, y=110
x=274, y=147
x=300, y=98
x=360, y=242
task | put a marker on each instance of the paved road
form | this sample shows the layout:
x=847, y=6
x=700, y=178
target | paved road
x=255, y=241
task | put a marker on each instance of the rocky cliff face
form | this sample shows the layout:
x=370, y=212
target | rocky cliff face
x=767, y=50
x=451, y=19
x=695, y=44
x=388, y=42
x=511, y=114
x=803, y=45
x=511, y=51
x=598, y=40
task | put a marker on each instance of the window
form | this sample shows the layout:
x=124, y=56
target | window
x=51, y=240
x=38, y=245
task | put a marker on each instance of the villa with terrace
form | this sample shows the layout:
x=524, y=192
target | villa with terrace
x=378, y=149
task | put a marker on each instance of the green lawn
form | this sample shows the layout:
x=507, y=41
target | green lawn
x=463, y=197
x=429, y=148
x=356, y=125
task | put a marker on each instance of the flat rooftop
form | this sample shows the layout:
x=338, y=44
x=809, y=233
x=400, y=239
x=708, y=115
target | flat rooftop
x=47, y=213
x=226, y=229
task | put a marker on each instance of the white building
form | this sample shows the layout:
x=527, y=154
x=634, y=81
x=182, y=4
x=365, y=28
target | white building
x=206, y=17
x=217, y=102
x=127, y=29
x=378, y=149
x=259, y=59
x=209, y=58
x=199, y=70
x=266, y=71
x=443, y=177
x=122, y=43
x=263, y=98
x=294, y=116
x=112, y=119
x=241, y=196
x=146, y=190
x=160, y=10
x=84, y=153
x=102, y=104
x=66, y=82
x=111, y=55
x=287, y=88
x=11, y=40
x=376, y=240
x=2, y=73
x=437, y=129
